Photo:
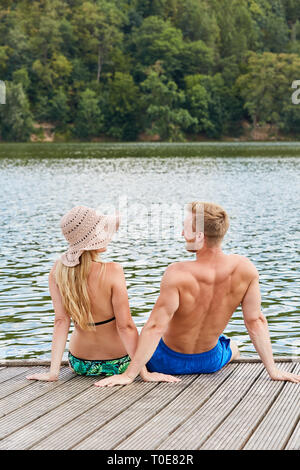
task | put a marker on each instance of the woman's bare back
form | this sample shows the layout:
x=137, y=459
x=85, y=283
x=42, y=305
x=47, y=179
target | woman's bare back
x=104, y=342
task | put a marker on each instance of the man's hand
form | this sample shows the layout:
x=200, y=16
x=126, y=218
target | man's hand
x=118, y=379
x=124, y=379
x=44, y=377
x=278, y=374
x=158, y=377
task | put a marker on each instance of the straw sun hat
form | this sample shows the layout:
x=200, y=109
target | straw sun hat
x=85, y=229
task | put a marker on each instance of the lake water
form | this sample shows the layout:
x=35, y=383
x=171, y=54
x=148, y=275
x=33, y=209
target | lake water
x=258, y=185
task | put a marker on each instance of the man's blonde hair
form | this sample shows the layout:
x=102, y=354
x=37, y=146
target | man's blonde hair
x=209, y=218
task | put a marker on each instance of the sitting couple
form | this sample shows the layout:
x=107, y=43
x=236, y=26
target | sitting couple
x=183, y=334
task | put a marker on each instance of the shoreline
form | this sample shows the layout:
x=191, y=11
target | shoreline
x=229, y=140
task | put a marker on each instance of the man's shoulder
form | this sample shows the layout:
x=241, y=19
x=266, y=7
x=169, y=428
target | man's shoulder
x=178, y=266
x=245, y=265
x=177, y=271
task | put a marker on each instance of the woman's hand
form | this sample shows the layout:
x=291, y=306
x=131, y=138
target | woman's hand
x=44, y=377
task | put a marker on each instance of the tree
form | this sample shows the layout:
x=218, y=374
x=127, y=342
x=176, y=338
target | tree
x=157, y=40
x=206, y=95
x=196, y=57
x=89, y=120
x=197, y=21
x=162, y=8
x=266, y=89
x=71, y=54
x=59, y=109
x=271, y=25
x=4, y=56
x=292, y=13
x=164, y=105
x=15, y=117
x=237, y=33
x=123, y=107
x=98, y=29
x=198, y=103
x=21, y=76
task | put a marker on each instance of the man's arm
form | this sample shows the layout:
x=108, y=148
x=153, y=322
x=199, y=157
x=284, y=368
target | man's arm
x=258, y=330
x=164, y=309
x=125, y=325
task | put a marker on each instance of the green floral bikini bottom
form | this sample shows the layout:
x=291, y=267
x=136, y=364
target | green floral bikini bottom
x=101, y=367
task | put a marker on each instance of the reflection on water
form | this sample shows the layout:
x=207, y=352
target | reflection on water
x=39, y=183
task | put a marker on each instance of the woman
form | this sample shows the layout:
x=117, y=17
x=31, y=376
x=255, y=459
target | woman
x=93, y=294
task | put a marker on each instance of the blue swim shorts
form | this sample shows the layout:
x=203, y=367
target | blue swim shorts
x=167, y=361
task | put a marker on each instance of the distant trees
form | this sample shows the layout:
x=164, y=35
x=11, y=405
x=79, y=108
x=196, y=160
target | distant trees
x=204, y=94
x=169, y=68
x=266, y=89
x=164, y=106
x=123, y=105
x=97, y=27
x=89, y=119
x=15, y=116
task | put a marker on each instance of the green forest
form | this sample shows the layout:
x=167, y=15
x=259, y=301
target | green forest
x=168, y=70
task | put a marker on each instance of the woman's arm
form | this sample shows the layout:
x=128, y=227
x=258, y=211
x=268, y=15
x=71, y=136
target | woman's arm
x=60, y=333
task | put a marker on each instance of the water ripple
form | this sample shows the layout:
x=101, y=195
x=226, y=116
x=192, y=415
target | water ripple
x=261, y=194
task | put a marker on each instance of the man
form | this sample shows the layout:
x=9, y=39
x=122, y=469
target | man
x=183, y=334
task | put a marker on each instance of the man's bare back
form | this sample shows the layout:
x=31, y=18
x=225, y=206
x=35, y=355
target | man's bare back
x=183, y=334
x=210, y=290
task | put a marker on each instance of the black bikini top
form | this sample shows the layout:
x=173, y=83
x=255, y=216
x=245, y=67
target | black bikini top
x=102, y=322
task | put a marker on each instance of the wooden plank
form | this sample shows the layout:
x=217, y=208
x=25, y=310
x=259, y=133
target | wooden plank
x=17, y=382
x=74, y=432
x=32, y=391
x=275, y=429
x=294, y=441
x=212, y=411
x=54, y=396
x=253, y=359
x=108, y=436
x=8, y=373
x=196, y=429
x=233, y=433
x=50, y=422
x=156, y=429
x=47, y=362
x=29, y=362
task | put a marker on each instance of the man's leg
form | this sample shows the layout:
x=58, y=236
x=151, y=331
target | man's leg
x=235, y=350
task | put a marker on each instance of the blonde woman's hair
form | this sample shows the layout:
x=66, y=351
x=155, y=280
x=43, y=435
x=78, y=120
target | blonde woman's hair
x=73, y=287
x=215, y=220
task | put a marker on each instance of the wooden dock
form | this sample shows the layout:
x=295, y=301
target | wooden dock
x=238, y=407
